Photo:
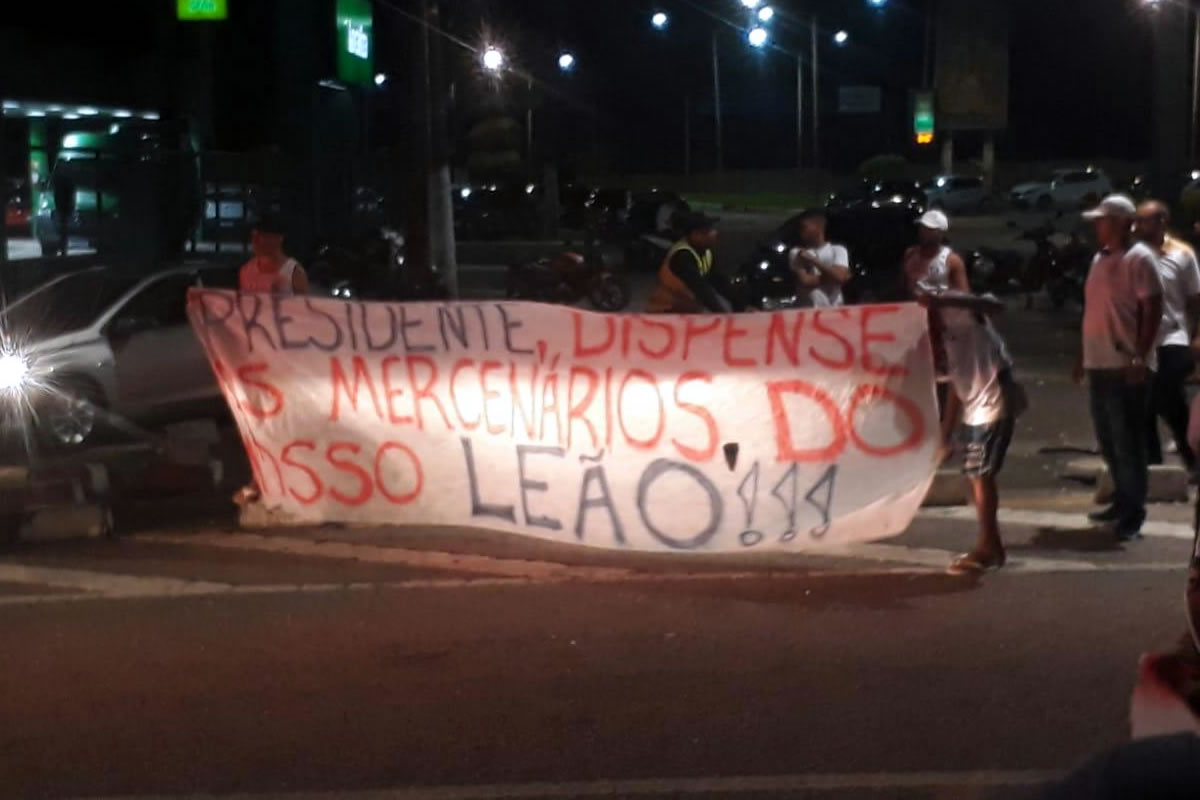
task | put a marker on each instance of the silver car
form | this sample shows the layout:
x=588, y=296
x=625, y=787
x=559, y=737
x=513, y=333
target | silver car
x=96, y=349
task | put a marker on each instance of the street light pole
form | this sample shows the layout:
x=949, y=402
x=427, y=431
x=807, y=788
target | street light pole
x=816, y=107
x=716, y=75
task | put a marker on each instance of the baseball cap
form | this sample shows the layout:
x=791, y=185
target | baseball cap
x=696, y=221
x=934, y=220
x=1115, y=205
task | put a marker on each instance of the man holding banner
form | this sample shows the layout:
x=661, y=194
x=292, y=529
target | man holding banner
x=269, y=271
x=982, y=403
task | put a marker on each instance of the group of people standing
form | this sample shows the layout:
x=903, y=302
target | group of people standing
x=1142, y=305
x=982, y=399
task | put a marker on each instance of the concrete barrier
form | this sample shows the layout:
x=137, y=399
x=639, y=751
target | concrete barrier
x=85, y=521
x=1168, y=483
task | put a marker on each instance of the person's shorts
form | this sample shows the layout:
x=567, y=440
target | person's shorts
x=985, y=446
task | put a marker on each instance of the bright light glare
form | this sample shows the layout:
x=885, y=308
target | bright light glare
x=464, y=192
x=87, y=111
x=659, y=20
x=757, y=37
x=841, y=37
x=751, y=3
x=14, y=372
x=566, y=61
x=493, y=59
x=530, y=188
x=878, y=3
x=380, y=79
x=766, y=14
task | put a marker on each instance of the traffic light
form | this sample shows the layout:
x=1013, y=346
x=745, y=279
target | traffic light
x=923, y=119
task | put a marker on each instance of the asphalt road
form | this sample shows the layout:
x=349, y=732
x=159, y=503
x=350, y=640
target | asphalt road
x=353, y=661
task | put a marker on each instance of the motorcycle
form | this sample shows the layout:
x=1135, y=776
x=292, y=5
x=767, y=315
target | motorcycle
x=372, y=268
x=568, y=278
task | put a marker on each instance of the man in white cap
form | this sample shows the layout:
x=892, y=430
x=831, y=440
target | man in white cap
x=1122, y=311
x=931, y=261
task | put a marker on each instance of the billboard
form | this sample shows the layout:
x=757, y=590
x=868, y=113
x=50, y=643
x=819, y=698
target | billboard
x=972, y=65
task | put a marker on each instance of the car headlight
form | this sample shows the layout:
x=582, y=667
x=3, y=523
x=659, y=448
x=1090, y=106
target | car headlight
x=14, y=372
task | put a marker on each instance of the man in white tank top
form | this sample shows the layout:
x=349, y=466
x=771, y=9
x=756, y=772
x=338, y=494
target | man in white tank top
x=270, y=270
x=931, y=261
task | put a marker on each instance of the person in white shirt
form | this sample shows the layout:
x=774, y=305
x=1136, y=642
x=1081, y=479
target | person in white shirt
x=931, y=261
x=1122, y=310
x=821, y=267
x=270, y=270
x=982, y=406
x=1180, y=276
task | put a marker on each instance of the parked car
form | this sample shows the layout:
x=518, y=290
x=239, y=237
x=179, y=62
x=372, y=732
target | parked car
x=1067, y=189
x=957, y=194
x=624, y=214
x=876, y=194
x=100, y=346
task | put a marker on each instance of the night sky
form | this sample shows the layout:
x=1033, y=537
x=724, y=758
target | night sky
x=1079, y=77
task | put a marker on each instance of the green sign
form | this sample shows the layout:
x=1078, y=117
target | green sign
x=201, y=10
x=355, y=42
x=923, y=120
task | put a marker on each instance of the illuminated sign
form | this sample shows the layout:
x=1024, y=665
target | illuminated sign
x=201, y=10
x=355, y=42
x=923, y=118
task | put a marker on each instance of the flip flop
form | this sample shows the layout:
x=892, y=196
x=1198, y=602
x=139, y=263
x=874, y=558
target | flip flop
x=969, y=564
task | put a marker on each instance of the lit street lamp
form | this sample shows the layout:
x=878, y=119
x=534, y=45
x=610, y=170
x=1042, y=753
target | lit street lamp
x=659, y=20
x=751, y=4
x=840, y=38
x=493, y=59
x=877, y=3
x=757, y=37
x=566, y=62
x=766, y=14
x=380, y=79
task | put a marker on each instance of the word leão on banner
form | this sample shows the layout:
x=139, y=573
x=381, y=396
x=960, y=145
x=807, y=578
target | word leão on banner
x=703, y=433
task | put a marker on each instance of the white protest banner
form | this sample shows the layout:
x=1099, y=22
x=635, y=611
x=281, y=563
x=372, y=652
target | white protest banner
x=786, y=430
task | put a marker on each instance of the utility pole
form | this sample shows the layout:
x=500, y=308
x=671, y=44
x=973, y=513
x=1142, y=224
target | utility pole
x=441, y=205
x=1195, y=130
x=799, y=112
x=816, y=107
x=1170, y=98
x=716, y=75
x=687, y=134
x=417, y=144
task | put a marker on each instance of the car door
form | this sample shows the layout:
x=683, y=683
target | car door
x=158, y=360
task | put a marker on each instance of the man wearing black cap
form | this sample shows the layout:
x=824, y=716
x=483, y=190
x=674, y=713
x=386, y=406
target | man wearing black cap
x=687, y=283
x=271, y=271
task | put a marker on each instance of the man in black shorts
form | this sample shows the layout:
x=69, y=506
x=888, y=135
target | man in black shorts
x=982, y=404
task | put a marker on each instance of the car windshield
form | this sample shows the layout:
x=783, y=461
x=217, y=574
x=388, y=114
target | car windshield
x=65, y=305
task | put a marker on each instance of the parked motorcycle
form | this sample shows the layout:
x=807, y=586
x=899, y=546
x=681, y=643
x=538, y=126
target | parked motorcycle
x=568, y=278
x=371, y=268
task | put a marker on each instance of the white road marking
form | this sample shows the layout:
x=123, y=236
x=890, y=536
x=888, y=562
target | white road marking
x=105, y=583
x=667, y=787
x=1057, y=519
